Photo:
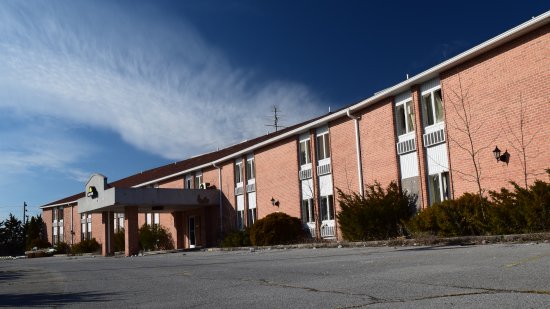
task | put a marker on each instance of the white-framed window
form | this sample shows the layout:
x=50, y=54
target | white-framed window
x=240, y=212
x=439, y=187
x=57, y=224
x=152, y=218
x=85, y=226
x=307, y=211
x=198, y=179
x=404, y=112
x=305, y=154
x=238, y=173
x=252, y=216
x=118, y=221
x=432, y=107
x=250, y=168
x=326, y=206
x=188, y=183
x=323, y=145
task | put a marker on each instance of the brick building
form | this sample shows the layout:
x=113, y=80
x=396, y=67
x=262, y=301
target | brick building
x=420, y=133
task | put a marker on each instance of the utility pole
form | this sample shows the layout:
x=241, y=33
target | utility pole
x=24, y=212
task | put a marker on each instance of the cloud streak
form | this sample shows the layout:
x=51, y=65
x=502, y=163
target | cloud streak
x=154, y=82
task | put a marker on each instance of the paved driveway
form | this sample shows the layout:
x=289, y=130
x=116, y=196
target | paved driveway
x=491, y=276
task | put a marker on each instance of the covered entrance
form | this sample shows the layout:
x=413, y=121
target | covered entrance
x=190, y=211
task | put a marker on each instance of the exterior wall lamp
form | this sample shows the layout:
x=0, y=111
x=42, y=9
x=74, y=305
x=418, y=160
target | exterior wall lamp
x=274, y=202
x=505, y=157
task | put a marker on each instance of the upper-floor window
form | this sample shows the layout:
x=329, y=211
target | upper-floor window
x=404, y=112
x=57, y=214
x=250, y=169
x=198, y=179
x=323, y=146
x=305, y=152
x=238, y=172
x=188, y=182
x=432, y=107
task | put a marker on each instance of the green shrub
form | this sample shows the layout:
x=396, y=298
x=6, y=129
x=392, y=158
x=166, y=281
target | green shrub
x=379, y=214
x=155, y=237
x=119, y=240
x=62, y=248
x=237, y=239
x=275, y=229
x=86, y=246
x=459, y=217
x=523, y=210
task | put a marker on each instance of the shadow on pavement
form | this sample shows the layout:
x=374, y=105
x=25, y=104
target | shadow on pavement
x=51, y=299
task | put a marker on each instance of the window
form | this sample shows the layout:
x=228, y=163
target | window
x=327, y=208
x=240, y=219
x=240, y=212
x=188, y=182
x=439, y=187
x=250, y=172
x=251, y=216
x=305, y=152
x=405, y=117
x=307, y=211
x=198, y=179
x=85, y=226
x=152, y=218
x=432, y=107
x=323, y=146
x=238, y=172
x=118, y=222
x=57, y=225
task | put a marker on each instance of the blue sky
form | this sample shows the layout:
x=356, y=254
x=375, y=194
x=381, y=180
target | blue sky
x=118, y=87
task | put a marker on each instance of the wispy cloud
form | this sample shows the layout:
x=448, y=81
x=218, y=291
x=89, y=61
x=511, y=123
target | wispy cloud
x=41, y=146
x=153, y=81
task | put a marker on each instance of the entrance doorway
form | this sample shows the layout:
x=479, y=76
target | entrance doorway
x=192, y=238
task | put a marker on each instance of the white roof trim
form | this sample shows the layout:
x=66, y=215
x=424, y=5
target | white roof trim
x=60, y=204
x=498, y=40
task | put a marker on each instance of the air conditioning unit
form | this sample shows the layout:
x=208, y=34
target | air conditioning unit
x=204, y=185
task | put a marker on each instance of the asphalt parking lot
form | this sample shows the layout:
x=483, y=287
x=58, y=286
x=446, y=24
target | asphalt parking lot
x=490, y=276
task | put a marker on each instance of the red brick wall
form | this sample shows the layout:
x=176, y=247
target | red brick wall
x=277, y=177
x=97, y=228
x=67, y=225
x=378, y=152
x=494, y=85
x=47, y=217
x=229, y=202
x=174, y=183
x=343, y=155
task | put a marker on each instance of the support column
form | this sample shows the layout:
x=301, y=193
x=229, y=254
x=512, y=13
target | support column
x=179, y=227
x=420, y=150
x=131, y=237
x=108, y=245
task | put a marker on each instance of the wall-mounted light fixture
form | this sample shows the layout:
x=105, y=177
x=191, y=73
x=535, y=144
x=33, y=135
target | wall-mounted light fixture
x=505, y=157
x=274, y=202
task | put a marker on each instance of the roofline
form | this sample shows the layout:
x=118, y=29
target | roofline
x=59, y=204
x=426, y=75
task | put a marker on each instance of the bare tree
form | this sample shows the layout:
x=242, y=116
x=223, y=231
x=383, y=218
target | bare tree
x=467, y=128
x=520, y=139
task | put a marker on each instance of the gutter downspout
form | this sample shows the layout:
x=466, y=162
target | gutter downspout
x=72, y=225
x=358, y=150
x=220, y=190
